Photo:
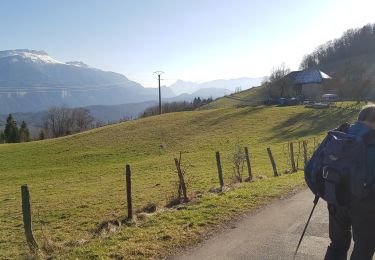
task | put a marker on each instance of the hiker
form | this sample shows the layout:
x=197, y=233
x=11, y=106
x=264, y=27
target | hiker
x=360, y=215
x=342, y=172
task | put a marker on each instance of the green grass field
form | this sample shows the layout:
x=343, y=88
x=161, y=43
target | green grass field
x=77, y=182
x=252, y=96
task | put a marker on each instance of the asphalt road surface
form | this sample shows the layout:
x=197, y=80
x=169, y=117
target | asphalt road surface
x=272, y=233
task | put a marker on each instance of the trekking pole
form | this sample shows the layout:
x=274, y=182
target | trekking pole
x=316, y=199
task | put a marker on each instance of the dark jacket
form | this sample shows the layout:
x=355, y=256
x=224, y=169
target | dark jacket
x=361, y=129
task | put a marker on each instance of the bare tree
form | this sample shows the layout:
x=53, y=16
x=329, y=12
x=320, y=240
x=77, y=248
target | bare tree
x=81, y=120
x=266, y=88
x=56, y=121
x=60, y=121
x=278, y=77
x=238, y=160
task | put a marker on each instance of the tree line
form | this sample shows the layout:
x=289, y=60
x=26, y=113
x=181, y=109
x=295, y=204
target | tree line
x=61, y=121
x=14, y=134
x=58, y=121
x=176, y=107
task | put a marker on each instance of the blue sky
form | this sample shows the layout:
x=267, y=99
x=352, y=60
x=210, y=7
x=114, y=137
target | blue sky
x=194, y=40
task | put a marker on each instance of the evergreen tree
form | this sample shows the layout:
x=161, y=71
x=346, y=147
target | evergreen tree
x=2, y=137
x=24, y=133
x=11, y=134
x=41, y=135
x=197, y=102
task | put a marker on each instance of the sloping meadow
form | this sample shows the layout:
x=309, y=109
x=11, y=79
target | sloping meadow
x=77, y=183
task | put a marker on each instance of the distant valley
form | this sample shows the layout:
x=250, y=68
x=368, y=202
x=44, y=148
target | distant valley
x=33, y=81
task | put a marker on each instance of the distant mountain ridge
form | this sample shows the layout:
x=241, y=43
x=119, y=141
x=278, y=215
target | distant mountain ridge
x=229, y=85
x=33, y=81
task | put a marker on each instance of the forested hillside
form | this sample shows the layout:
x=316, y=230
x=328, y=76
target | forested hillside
x=353, y=43
x=350, y=60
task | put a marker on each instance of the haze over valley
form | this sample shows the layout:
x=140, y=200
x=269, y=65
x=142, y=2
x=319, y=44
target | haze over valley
x=33, y=81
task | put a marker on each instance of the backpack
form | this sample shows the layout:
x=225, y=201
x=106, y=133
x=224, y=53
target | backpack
x=338, y=168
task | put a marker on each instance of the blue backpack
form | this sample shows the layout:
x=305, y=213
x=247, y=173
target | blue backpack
x=338, y=168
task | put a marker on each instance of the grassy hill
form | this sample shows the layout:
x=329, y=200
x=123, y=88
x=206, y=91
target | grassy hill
x=77, y=182
x=252, y=96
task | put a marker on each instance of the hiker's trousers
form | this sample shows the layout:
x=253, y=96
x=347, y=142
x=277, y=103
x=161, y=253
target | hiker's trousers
x=359, y=220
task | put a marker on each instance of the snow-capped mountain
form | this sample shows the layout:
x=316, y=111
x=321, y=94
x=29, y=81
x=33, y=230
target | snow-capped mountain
x=29, y=68
x=29, y=56
x=32, y=80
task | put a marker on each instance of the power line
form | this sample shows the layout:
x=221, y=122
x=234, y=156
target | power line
x=43, y=89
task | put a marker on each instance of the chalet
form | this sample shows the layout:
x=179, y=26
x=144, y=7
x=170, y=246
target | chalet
x=309, y=82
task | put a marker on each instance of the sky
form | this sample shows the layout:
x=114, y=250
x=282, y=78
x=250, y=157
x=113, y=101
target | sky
x=192, y=40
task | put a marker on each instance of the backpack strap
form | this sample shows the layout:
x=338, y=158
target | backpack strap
x=369, y=137
x=343, y=128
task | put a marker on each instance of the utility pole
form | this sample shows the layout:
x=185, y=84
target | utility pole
x=159, y=73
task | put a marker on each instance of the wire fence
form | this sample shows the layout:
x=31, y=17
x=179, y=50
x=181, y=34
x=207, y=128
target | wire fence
x=289, y=158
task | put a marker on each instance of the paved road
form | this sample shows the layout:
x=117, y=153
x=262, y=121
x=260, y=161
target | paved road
x=272, y=233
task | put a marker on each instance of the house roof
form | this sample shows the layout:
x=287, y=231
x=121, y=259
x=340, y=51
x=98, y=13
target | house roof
x=308, y=76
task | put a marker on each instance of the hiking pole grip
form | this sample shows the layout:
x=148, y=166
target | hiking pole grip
x=316, y=199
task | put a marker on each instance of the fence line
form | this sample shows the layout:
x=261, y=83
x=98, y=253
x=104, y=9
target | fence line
x=291, y=154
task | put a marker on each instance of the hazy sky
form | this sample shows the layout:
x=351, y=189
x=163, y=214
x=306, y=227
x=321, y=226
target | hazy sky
x=195, y=40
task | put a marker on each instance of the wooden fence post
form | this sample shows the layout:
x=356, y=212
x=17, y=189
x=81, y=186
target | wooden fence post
x=275, y=174
x=250, y=177
x=129, y=191
x=305, y=151
x=26, y=213
x=299, y=155
x=292, y=161
x=219, y=170
x=314, y=144
x=182, y=185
